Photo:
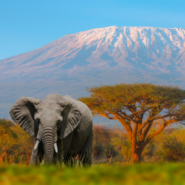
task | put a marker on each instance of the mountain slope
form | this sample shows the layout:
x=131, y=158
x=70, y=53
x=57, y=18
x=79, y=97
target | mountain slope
x=105, y=49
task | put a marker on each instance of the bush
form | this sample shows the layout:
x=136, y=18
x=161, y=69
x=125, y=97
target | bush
x=98, y=150
x=110, y=151
x=149, y=150
x=15, y=144
x=171, y=149
x=122, y=144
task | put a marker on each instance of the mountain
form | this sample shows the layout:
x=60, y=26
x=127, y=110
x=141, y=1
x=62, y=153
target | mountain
x=99, y=56
x=106, y=49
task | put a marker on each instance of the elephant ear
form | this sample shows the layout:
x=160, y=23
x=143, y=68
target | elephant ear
x=72, y=118
x=22, y=112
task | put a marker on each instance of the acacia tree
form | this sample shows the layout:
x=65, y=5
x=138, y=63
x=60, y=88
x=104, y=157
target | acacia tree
x=136, y=107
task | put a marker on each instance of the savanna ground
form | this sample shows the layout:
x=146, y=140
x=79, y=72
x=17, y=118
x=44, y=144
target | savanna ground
x=149, y=174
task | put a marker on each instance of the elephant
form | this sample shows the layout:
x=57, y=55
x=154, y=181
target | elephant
x=62, y=127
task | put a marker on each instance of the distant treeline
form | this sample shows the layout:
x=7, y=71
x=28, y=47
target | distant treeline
x=109, y=145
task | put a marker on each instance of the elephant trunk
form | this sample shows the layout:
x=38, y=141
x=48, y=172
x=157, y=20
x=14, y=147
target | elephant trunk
x=48, y=141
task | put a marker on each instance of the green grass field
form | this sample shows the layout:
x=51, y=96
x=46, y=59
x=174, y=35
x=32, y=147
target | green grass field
x=145, y=174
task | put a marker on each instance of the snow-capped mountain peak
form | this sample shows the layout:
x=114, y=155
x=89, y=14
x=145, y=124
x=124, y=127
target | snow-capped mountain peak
x=136, y=48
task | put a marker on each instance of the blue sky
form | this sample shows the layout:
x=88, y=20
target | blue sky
x=26, y=25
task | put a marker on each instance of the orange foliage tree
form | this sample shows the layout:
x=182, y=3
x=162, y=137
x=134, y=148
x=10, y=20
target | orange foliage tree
x=136, y=107
x=15, y=143
x=8, y=141
x=24, y=143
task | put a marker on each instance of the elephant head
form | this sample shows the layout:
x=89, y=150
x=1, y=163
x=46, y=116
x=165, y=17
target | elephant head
x=48, y=120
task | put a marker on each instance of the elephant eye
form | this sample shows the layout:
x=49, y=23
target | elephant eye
x=37, y=121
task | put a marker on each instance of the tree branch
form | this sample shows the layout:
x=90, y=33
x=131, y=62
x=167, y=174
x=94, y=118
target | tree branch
x=146, y=129
x=145, y=122
x=106, y=116
x=165, y=123
x=125, y=124
x=124, y=115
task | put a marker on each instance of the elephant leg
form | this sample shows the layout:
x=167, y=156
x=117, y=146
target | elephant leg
x=85, y=153
x=65, y=150
x=34, y=154
x=33, y=159
x=40, y=152
x=37, y=155
x=69, y=161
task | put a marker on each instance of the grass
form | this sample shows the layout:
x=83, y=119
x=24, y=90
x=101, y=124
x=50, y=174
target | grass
x=145, y=174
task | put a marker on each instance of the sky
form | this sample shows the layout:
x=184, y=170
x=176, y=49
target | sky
x=26, y=25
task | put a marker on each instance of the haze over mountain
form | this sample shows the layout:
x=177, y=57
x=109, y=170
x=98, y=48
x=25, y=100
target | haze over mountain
x=99, y=56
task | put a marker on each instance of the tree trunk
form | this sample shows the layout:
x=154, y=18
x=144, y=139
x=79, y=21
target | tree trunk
x=136, y=153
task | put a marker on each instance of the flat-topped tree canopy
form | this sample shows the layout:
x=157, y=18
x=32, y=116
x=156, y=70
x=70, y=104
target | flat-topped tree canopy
x=136, y=106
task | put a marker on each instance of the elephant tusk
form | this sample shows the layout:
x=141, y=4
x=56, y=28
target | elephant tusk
x=36, y=144
x=56, y=148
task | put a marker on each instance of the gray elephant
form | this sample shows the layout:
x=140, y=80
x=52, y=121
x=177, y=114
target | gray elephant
x=62, y=127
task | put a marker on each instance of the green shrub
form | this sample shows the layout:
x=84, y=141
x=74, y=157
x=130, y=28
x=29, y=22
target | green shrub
x=123, y=145
x=109, y=151
x=171, y=149
x=98, y=150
